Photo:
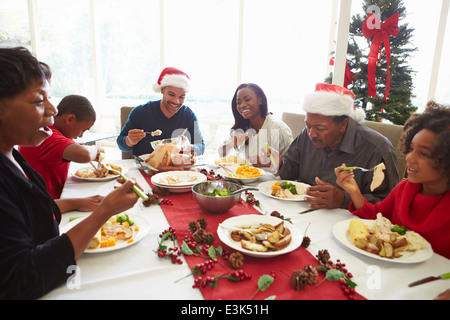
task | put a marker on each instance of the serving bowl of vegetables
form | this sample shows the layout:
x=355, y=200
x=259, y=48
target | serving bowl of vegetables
x=214, y=196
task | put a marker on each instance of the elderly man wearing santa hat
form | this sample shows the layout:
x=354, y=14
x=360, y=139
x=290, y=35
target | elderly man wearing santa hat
x=162, y=119
x=333, y=136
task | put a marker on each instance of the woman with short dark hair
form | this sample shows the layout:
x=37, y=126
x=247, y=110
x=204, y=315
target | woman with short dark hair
x=34, y=257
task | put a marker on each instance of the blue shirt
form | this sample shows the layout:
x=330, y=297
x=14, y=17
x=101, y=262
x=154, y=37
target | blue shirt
x=149, y=117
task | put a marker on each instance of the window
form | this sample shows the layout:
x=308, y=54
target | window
x=14, y=24
x=443, y=87
x=285, y=49
x=112, y=51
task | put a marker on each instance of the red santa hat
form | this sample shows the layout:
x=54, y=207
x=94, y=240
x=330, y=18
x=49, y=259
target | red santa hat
x=172, y=77
x=333, y=100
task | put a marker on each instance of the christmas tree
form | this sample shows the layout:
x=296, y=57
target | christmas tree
x=398, y=106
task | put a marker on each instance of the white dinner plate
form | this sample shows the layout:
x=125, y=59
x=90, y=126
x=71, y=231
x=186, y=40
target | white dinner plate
x=254, y=220
x=110, y=177
x=187, y=179
x=266, y=189
x=199, y=161
x=342, y=234
x=175, y=189
x=139, y=220
x=224, y=173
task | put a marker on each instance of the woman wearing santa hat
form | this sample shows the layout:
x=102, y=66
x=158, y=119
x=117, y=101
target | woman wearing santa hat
x=334, y=135
x=168, y=116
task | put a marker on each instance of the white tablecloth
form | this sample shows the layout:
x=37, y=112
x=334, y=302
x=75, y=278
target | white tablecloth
x=136, y=272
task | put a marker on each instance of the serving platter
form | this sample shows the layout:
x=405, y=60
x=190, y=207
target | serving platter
x=187, y=180
x=225, y=173
x=224, y=234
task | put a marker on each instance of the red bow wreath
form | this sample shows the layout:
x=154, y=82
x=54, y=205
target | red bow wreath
x=380, y=33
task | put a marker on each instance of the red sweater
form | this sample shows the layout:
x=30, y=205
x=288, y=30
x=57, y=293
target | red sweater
x=47, y=160
x=406, y=206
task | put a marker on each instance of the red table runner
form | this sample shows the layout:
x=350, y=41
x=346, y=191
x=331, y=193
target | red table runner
x=184, y=209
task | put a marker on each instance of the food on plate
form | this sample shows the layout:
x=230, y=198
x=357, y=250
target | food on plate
x=246, y=172
x=380, y=237
x=263, y=238
x=117, y=228
x=218, y=193
x=174, y=179
x=101, y=172
x=286, y=190
x=156, y=133
x=169, y=155
x=378, y=176
x=359, y=233
x=230, y=160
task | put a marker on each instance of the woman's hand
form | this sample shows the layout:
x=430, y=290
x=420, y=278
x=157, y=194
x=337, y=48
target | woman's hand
x=120, y=199
x=239, y=138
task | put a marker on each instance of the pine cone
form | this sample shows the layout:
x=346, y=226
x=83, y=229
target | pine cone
x=277, y=214
x=200, y=236
x=299, y=280
x=162, y=192
x=194, y=226
x=236, y=260
x=311, y=274
x=323, y=256
x=306, y=242
x=152, y=199
x=202, y=223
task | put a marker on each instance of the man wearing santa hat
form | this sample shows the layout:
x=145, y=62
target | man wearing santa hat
x=333, y=136
x=162, y=119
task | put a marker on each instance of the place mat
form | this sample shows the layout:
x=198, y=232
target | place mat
x=184, y=209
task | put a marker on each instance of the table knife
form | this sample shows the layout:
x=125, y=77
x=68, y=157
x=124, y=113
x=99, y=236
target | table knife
x=429, y=279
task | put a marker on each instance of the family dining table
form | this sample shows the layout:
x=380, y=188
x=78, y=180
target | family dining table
x=137, y=272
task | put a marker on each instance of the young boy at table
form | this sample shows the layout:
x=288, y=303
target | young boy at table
x=52, y=158
x=422, y=201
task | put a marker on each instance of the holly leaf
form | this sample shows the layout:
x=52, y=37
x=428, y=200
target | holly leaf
x=197, y=271
x=213, y=284
x=351, y=284
x=334, y=275
x=186, y=250
x=197, y=249
x=232, y=278
x=165, y=236
x=219, y=251
x=322, y=268
x=264, y=282
x=212, y=252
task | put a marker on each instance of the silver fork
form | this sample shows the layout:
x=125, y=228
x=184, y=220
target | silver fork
x=125, y=179
x=359, y=168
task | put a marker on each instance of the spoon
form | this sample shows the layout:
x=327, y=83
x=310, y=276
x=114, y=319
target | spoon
x=226, y=169
x=241, y=190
